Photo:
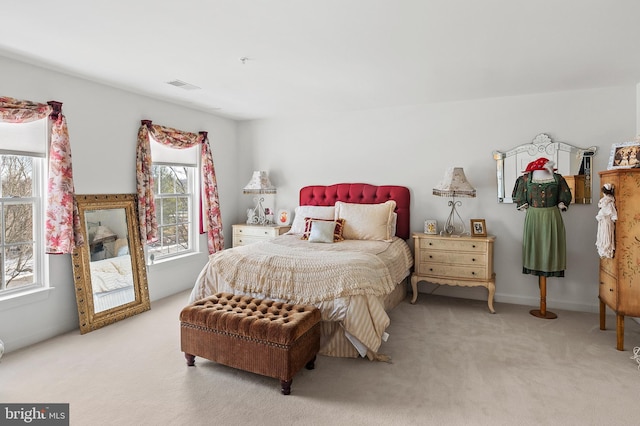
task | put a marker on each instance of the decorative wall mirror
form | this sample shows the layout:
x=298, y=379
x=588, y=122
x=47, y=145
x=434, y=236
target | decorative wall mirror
x=574, y=163
x=109, y=270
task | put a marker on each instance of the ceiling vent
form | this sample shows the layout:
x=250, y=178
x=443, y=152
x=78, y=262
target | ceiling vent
x=183, y=85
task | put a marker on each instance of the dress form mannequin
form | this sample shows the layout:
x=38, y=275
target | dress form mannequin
x=543, y=194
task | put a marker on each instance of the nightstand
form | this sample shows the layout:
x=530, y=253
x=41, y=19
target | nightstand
x=246, y=234
x=463, y=261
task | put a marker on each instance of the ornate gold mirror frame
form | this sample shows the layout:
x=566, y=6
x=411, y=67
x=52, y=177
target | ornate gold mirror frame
x=109, y=270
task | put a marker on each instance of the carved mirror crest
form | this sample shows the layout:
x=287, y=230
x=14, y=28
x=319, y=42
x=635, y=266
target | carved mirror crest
x=574, y=163
x=109, y=270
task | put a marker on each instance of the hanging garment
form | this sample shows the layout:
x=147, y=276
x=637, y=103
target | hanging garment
x=606, y=217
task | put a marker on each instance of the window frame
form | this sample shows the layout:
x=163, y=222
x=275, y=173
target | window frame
x=193, y=190
x=38, y=200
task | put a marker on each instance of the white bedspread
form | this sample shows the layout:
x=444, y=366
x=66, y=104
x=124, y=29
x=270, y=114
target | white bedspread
x=347, y=281
x=111, y=274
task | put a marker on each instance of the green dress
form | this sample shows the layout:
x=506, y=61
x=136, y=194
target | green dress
x=544, y=250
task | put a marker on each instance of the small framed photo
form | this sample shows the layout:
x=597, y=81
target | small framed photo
x=624, y=155
x=283, y=218
x=431, y=226
x=478, y=228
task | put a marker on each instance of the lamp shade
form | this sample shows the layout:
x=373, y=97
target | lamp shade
x=454, y=184
x=103, y=232
x=259, y=184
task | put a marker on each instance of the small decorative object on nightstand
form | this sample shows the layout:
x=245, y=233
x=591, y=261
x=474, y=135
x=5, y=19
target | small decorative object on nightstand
x=247, y=234
x=454, y=184
x=464, y=261
x=478, y=228
x=259, y=185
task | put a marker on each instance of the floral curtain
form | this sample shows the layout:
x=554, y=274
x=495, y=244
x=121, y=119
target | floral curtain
x=63, y=231
x=146, y=204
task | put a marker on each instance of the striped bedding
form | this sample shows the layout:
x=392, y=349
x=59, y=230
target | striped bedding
x=354, y=321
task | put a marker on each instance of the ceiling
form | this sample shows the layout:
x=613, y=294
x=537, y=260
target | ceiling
x=313, y=56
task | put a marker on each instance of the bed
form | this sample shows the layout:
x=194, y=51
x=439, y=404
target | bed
x=346, y=253
x=112, y=282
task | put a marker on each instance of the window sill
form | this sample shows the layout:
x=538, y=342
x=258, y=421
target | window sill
x=186, y=256
x=14, y=300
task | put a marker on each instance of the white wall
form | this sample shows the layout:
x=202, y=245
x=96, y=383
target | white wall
x=414, y=145
x=409, y=146
x=103, y=126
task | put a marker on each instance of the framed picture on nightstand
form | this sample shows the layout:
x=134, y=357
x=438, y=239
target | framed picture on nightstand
x=283, y=218
x=478, y=228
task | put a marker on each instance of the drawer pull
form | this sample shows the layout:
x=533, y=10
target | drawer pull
x=610, y=289
x=430, y=257
x=473, y=260
x=265, y=232
x=473, y=273
x=430, y=269
x=430, y=244
x=474, y=246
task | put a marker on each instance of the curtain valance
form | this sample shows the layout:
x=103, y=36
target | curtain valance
x=62, y=226
x=211, y=220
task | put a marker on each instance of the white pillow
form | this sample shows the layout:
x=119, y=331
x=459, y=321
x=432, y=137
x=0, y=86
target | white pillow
x=315, y=212
x=322, y=231
x=366, y=221
x=393, y=224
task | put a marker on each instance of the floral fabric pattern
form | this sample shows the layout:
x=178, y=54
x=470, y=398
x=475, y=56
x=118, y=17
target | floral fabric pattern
x=63, y=219
x=20, y=111
x=62, y=224
x=146, y=203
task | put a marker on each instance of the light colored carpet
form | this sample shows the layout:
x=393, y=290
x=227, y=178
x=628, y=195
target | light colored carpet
x=453, y=363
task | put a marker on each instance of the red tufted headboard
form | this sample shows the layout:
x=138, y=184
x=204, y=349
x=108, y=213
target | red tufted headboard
x=362, y=193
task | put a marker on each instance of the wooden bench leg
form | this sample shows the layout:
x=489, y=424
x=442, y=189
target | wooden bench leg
x=311, y=364
x=191, y=359
x=286, y=386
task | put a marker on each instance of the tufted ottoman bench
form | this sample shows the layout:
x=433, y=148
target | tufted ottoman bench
x=270, y=338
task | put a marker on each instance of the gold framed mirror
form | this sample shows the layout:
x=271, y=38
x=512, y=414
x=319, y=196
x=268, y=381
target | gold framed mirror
x=109, y=270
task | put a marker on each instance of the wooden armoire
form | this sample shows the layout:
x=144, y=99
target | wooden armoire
x=620, y=275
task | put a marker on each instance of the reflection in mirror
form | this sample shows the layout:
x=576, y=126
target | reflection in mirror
x=109, y=271
x=574, y=163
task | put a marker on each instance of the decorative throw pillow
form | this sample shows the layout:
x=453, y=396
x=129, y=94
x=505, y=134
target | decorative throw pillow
x=302, y=212
x=337, y=230
x=366, y=221
x=322, y=231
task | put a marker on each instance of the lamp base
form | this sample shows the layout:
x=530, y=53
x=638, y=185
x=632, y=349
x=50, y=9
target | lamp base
x=451, y=228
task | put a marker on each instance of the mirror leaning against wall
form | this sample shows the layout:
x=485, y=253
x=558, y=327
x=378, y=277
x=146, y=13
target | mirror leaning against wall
x=573, y=163
x=109, y=270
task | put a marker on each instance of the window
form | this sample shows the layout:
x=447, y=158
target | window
x=22, y=183
x=174, y=189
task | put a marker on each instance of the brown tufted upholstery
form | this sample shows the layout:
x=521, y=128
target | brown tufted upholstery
x=274, y=339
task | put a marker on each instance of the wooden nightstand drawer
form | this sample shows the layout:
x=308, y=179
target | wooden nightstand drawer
x=453, y=244
x=457, y=258
x=248, y=234
x=478, y=272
